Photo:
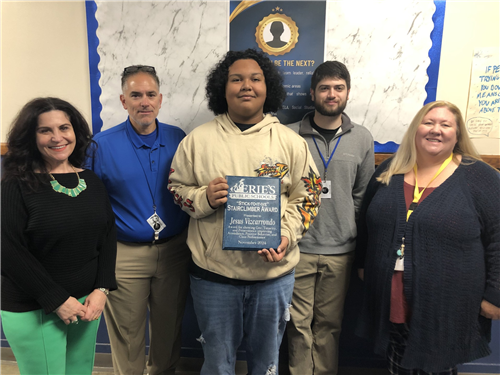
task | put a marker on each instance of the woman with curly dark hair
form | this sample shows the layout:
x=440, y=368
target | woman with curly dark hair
x=243, y=295
x=58, y=241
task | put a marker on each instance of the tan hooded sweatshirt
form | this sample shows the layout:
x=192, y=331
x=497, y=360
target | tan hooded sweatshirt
x=218, y=149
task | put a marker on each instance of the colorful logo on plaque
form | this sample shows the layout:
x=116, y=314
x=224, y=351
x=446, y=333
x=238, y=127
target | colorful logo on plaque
x=242, y=190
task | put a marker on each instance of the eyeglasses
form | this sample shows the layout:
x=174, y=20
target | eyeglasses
x=139, y=68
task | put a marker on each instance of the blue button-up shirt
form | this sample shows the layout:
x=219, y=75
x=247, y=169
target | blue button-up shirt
x=135, y=175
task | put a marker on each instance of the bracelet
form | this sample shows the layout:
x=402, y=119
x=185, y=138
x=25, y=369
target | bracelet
x=104, y=290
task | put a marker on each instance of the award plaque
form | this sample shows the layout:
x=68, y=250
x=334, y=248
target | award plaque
x=252, y=213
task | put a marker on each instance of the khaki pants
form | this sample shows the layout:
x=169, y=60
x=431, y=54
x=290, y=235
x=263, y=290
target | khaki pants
x=154, y=277
x=321, y=283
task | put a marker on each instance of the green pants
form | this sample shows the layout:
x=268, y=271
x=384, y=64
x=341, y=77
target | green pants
x=44, y=345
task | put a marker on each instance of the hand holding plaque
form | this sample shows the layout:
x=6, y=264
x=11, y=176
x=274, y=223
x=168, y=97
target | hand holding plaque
x=217, y=192
x=270, y=255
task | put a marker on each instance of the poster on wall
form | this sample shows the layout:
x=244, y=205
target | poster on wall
x=483, y=108
x=393, y=73
x=392, y=50
x=292, y=35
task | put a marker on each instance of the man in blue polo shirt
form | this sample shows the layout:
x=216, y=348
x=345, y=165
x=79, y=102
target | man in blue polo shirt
x=133, y=160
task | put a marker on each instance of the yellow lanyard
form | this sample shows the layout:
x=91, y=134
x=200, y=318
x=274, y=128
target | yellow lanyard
x=416, y=198
x=416, y=194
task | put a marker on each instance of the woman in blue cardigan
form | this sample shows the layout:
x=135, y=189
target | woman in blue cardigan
x=429, y=248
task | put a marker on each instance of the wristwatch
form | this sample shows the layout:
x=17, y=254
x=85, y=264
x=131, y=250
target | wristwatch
x=104, y=290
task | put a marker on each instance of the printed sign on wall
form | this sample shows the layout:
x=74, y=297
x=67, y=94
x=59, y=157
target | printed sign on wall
x=483, y=109
x=292, y=34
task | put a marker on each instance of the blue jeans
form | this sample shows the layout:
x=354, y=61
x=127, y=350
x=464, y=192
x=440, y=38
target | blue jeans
x=227, y=314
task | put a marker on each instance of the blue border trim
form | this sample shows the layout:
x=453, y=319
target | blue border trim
x=432, y=70
x=389, y=147
x=435, y=51
x=95, y=74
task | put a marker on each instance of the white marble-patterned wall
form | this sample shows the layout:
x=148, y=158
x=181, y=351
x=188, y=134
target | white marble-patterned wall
x=384, y=43
x=181, y=39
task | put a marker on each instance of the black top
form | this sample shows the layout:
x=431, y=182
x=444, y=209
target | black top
x=243, y=127
x=328, y=134
x=55, y=246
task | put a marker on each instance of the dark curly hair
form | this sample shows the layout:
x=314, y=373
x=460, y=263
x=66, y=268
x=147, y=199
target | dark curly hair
x=217, y=80
x=23, y=157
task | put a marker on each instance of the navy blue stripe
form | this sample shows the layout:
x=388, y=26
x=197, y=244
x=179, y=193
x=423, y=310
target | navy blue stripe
x=435, y=51
x=95, y=75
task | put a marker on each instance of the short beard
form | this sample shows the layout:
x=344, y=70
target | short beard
x=333, y=113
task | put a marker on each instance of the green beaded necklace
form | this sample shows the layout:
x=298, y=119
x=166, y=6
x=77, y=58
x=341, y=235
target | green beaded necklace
x=57, y=187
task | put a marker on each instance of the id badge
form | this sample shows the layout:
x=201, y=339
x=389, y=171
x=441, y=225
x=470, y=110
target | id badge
x=156, y=223
x=326, y=190
x=400, y=264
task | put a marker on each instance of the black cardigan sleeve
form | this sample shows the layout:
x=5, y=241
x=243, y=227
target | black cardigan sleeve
x=484, y=185
x=362, y=230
